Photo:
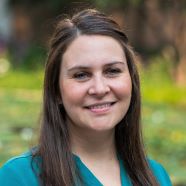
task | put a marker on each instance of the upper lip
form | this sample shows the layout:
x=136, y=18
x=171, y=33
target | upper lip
x=100, y=103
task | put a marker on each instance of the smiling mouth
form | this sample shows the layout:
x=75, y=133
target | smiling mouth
x=100, y=107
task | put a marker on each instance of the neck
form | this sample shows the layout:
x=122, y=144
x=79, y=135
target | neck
x=93, y=144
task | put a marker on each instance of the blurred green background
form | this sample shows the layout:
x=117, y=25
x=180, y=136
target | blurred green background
x=157, y=31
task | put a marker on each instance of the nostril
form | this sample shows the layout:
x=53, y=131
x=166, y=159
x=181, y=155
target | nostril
x=99, y=90
x=99, y=86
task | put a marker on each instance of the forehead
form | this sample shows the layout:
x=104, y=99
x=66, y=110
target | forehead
x=92, y=49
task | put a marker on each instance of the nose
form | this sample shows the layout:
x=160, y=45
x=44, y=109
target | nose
x=99, y=87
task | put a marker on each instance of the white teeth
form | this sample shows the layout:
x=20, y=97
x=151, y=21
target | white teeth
x=100, y=106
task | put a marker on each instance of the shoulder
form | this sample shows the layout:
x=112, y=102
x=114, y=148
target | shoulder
x=160, y=173
x=19, y=160
x=18, y=171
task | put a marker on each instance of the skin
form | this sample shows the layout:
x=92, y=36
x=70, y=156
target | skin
x=95, y=88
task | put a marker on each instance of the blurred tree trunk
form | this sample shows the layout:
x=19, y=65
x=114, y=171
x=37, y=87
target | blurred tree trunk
x=160, y=25
x=153, y=26
x=180, y=42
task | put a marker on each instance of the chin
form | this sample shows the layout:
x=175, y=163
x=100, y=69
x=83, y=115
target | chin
x=102, y=127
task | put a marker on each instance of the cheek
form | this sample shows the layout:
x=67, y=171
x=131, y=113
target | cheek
x=123, y=88
x=71, y=94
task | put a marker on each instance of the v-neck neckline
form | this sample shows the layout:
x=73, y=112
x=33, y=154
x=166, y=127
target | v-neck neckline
x=91, y=180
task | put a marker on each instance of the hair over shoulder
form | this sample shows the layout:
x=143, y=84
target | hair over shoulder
x=58, y=167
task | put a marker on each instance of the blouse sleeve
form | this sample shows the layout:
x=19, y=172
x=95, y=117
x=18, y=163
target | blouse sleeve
x=8, y=177
x=18, y=171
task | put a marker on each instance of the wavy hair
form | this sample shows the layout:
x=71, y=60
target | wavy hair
x=58, y=167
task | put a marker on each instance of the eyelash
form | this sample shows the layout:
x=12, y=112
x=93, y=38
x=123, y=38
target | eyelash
x=113, y=71
x=110, y=72
x=81, y=75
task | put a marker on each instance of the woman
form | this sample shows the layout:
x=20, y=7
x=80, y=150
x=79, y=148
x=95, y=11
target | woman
x=91, y=133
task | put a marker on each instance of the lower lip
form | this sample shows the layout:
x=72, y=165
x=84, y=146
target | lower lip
x=100, y=110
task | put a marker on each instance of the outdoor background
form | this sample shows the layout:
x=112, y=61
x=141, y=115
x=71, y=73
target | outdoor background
x=156, y=30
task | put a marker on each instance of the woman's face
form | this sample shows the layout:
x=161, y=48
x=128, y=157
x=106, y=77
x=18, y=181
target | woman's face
x=95, y=83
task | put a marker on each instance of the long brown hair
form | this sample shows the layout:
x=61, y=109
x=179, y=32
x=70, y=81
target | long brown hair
x=58, y=167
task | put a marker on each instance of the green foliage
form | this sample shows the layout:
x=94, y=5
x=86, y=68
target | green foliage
x=19, y=113
x=164, y=130
x=19, y=79
x=33, y=59
x=163, y=118
x=107, y=4
x=158, y=84
x=164, y=105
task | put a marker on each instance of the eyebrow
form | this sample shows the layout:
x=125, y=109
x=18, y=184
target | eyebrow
x=84, y=67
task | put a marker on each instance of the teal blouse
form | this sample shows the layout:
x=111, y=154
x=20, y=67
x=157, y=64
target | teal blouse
x=18, y=172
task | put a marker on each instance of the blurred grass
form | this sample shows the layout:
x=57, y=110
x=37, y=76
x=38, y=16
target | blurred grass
x=164, y=117
x=158, y=82
x=20, y=98
x=163, y=107
x=22, y=79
